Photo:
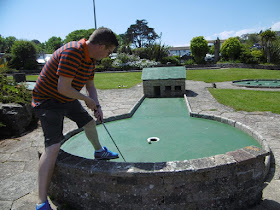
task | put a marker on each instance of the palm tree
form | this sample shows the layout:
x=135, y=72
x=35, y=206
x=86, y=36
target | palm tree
x=267, y=39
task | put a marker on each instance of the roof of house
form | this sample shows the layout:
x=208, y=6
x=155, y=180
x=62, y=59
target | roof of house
x=160, y=73
x=179, y=48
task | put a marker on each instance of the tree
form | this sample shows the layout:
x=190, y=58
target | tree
x=275, y=51
x=217, y=47
x=24, y=55
x=53, y=44
x=36, y=41
x=253, y=38
x=267, y=39
x=6, y=43
x=140, y=35
x=2, y=44
x=40, y=47
x=250, y=56
x=123, y=40
x=9, y=41
x=231, y=49
x=78, y=34
x=199, y=48
x=154, y=52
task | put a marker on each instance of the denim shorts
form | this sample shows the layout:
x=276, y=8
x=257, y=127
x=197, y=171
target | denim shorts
x=51, y=114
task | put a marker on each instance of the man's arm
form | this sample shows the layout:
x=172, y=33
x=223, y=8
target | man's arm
x=93, y=94
x=92, y=91
x=64, y=87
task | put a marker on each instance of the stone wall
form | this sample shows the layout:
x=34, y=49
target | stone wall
x=19, y=77
x=228, y=181
x=17, y=118
x=166, y=88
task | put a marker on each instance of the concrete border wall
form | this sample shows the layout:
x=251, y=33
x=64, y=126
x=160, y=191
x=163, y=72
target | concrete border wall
x=229, y=181
x=237, y=125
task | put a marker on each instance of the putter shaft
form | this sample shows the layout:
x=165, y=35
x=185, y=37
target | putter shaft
x=113, y=140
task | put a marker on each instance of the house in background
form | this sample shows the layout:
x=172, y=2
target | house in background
x=181, y=51
x=164, y=81
x=43, y=58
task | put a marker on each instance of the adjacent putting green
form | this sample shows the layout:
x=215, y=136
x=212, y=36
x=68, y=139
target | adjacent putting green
x=259, y=83
x=180, y=137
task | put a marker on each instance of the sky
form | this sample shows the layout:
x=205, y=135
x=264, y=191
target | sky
x=177, y=20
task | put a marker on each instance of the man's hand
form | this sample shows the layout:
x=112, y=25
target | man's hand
x=90, y=104
x=98, y=114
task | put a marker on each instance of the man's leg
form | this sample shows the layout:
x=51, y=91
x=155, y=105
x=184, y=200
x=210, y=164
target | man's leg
x=101, y=153
x=46, y=167
x=92, y=135
x=79, y=115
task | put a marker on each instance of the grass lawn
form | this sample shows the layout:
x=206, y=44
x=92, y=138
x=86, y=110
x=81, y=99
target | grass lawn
x=222, y=75
x=248, y=100
x=114, y=80
x=31, y=78
x=109, y=80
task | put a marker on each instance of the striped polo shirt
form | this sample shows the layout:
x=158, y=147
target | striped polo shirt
x=71, y=60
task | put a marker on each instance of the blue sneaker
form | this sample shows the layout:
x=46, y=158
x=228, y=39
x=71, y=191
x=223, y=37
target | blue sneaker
x=44, y=206
x=105, y=154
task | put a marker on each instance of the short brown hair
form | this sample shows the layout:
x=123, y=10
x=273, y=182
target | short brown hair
x=104, y=36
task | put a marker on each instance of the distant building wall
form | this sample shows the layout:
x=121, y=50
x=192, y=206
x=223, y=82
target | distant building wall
x=164, y=88
x=185, y=50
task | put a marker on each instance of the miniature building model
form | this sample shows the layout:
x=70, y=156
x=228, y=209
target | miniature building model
x=164, y=81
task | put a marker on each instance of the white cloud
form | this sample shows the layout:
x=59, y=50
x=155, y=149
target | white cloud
x=276, y=26
x=228, y=34
x=221, y=35
x=246, y=31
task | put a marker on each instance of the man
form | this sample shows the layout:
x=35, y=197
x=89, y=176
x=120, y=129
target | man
x=56, y=95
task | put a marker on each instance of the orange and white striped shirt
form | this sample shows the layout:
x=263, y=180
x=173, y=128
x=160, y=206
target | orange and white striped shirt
x=71, y=60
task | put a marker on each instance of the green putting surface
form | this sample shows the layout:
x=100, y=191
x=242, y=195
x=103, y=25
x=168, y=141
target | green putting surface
x=181, y=136
x=258, y=83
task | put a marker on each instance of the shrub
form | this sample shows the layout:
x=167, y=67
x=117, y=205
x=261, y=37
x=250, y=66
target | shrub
x=141, y=52
x=11, y=92
x=246, y=57
x=189, y=62
x=199, y=48
x=177, y=57
x=231, y=49
x=123, y=58
x=152, y=52
x=107, y=63
x=124, y=49
x=24, y=55
x=126, y=62
x=257, y=54
x=170, y=59
x=4, y=68
x=250, y=57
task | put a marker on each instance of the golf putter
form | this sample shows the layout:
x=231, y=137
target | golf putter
x=113, y=140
